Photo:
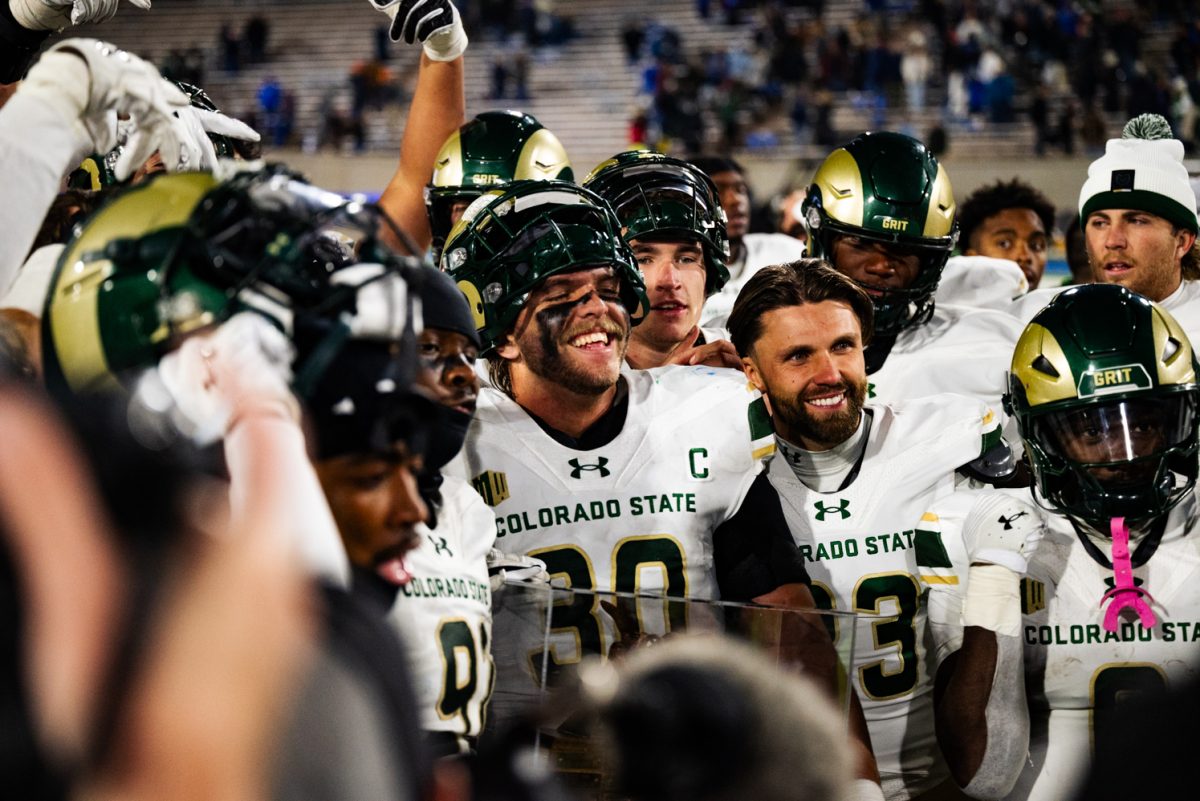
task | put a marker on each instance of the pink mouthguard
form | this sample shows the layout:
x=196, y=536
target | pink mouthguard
x=1125, y=593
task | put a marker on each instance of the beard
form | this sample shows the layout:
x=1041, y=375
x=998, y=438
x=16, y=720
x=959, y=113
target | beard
x=797, y=424
x=547, y=347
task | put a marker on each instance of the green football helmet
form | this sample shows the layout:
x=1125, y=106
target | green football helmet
x=887, y=188
x=509, y=241
x=1103, y=388
x=491, y=151
x=659, y=197
x=181, y=252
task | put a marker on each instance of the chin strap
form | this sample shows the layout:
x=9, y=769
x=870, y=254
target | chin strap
x=1124, y=593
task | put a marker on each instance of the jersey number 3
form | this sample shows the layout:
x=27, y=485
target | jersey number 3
x=896, y=631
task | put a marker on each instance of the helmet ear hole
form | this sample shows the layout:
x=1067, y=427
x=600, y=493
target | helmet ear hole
x=1044, y=365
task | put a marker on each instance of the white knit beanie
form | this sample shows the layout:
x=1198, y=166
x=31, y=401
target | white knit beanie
x=1141, y=170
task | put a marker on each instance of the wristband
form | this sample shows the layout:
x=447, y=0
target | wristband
x=993, y=599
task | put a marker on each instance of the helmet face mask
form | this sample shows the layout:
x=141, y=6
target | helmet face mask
x=1104, y=391
x=509, y=242
x=658, y=198
x=490, y=152
x=886, y=189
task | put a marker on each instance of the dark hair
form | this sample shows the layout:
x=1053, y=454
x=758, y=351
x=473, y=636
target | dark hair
x=995, y=198
x=711, y=165
x=794, y=284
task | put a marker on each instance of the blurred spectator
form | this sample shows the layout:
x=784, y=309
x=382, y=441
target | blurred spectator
x=915, y=66
x=632, y=36
x=520, y=74
x=1093, y=130
x=1039, y=114
x=270, y=97
x=699, y=719
x=231, y=49
x=256, y=33
x=499, y=87
x=339, y=123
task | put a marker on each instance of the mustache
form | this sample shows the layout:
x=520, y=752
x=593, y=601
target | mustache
x=604, y=324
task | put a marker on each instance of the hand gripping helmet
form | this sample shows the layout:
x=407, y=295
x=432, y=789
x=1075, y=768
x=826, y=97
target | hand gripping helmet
x=98, y=170
x=659, y=197
x=1103, y=387
x=184, y=251
x=887, y=188
x=492, y=150
x=508, y=242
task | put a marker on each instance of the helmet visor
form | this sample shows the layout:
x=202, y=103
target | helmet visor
x=1114, y=441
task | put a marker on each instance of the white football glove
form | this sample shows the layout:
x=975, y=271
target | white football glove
x=196, y=152
x=94, y=82
x=216, y=379
x=434, y=23
x=54, y=15
x=515, y=567
x=1003, y=530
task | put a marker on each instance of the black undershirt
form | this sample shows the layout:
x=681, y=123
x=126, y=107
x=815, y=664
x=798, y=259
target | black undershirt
x=599, y=433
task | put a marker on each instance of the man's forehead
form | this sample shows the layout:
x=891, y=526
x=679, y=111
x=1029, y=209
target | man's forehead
x=1118, y=213
x=728, y=178
x=1003, y=219
x=581, y=276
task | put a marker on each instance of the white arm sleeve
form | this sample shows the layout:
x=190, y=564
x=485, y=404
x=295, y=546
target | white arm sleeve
x=274, y=484
x=39, y=143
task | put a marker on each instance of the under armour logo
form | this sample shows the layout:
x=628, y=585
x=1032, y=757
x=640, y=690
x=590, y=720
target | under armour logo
x=577, y=468
x=843, y=509
x=1008, y=521
x=440, y=546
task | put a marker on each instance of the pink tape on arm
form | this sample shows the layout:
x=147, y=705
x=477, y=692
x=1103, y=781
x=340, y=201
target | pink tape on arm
x=1124, y=593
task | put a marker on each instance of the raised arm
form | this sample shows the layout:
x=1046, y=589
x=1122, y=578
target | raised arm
x=438, y=106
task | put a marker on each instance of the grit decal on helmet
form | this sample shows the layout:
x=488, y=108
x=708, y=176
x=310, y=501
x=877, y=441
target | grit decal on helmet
x=182, y=252
x=492, y=150
x=508, y=242
x=659, y=197
x=886, y=188
x=1103, y=388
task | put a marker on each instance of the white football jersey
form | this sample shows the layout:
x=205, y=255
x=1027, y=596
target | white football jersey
x=1077, y=672
x=960, y=350
x=872, y=547
x=637, y=513
x=981, y=282
x=762, y=250
x=444, y=615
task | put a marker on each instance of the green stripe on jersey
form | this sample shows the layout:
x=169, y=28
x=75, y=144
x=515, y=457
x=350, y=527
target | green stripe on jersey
x=760, y=420
x=930, y=550
x=990, y=440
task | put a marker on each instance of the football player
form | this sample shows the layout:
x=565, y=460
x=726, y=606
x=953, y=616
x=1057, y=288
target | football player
x=1008, y=220
x=616, y=480
x=881, y=211
x=491, y=151
x=671, y=216
x=163, y=263
x=747, y=252
x=1138, y=213
x=1104, y=390
x=444, y=613
x=861, y=485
